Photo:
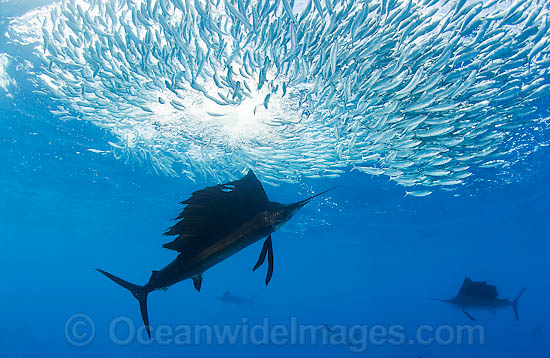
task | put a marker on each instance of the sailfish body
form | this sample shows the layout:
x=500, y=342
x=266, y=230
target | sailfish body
x=480, y=295
x=216, y=223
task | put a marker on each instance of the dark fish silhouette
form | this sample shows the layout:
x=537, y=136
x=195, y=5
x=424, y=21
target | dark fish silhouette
x=216, y=223
x=228, y=297
x=480, y=295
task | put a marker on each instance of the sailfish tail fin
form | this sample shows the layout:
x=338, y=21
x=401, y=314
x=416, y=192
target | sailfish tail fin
x=515, y=303
x=139, y=292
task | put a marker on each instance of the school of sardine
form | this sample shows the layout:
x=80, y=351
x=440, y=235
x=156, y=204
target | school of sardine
x=5, y=80
x=424, y=92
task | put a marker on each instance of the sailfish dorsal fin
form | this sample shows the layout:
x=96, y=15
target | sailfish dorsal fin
x=478, y=289
x=214, y=211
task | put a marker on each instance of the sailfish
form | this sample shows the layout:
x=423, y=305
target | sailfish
x=216, y=222
x=480, y=295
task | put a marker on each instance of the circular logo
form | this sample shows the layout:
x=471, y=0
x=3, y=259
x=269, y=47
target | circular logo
x=80, y=330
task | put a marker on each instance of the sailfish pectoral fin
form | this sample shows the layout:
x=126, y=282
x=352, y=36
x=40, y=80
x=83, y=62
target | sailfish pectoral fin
x=267, y=249
x=269, y=261
x=469, y=315
x=197, y=282
x=261, y=259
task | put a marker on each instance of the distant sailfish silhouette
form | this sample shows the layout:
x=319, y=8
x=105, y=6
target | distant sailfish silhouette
x=480, y=295
x=216, y=223
x=229, y=298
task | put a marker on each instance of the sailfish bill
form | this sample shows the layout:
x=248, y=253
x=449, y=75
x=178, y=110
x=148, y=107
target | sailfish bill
x=216, y=223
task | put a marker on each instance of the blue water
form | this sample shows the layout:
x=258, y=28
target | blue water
x=364, y=255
